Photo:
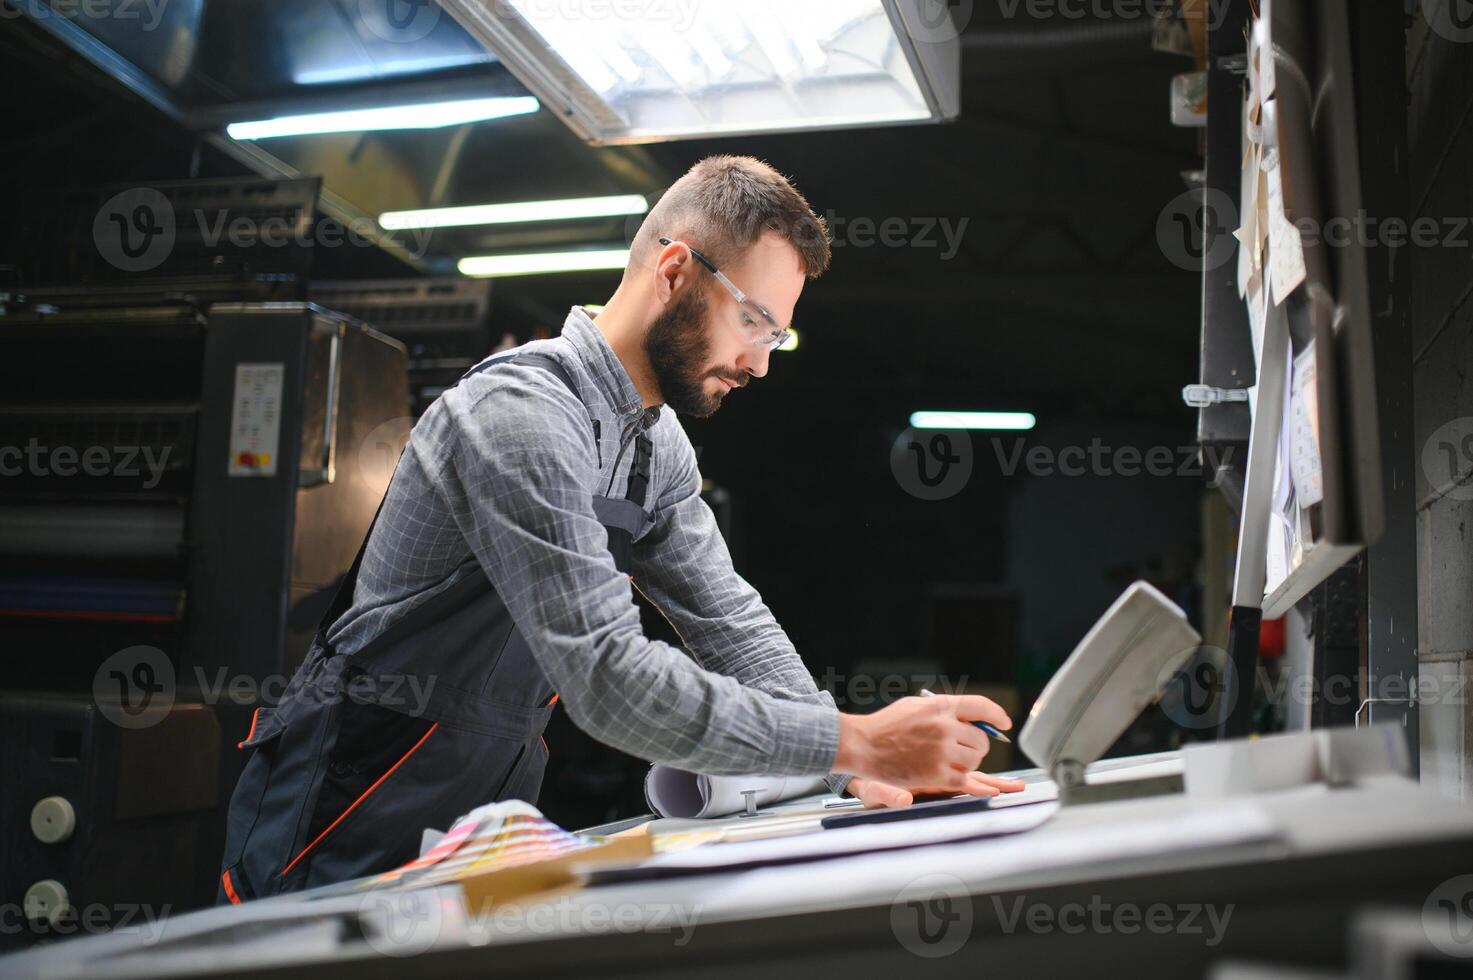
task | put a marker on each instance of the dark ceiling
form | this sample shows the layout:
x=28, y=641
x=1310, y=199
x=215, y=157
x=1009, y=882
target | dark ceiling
x=1053, y=294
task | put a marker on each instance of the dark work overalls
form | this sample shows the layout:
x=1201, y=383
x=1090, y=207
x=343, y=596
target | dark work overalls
x=352, y=764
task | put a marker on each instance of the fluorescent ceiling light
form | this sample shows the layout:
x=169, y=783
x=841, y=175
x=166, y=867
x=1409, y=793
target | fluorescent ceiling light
x=1016, y=421
x=368, y=71
x=697, y=69
x=539, y=263
x=430, y=115
x=516, y=213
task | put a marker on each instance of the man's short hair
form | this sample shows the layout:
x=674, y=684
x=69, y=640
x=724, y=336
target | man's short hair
x=723, y=204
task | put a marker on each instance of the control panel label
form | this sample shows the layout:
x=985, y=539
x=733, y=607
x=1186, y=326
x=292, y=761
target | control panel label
x=255, y=419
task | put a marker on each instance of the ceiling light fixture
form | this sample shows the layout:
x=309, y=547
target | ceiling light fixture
x=564, y=209
x=541, y=263
x=1012, y=421
x=428, y=115
x=736, y=66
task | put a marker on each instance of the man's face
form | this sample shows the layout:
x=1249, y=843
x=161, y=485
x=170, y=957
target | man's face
x=700, y=346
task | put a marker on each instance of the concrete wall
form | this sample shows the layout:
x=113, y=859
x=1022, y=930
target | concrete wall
x=1440, y=187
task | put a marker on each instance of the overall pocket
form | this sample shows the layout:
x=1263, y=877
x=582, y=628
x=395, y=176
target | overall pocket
x=372, y=744
x=245, y=805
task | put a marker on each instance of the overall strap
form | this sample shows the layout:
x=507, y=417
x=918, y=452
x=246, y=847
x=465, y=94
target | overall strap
x=639, y=470
x=536, y=358
x=342, y=599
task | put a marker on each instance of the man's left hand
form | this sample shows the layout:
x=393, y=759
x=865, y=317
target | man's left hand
x=877, y=794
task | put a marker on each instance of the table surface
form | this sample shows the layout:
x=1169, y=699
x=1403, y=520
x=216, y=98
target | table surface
x=1099, y=842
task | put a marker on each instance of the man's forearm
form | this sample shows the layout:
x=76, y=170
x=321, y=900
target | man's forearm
x=767, y=661
x=650, y=701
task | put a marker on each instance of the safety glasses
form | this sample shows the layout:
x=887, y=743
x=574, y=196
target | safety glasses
x=757, y=323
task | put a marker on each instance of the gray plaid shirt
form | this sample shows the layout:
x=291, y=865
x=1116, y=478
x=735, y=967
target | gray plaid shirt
x=503, y=467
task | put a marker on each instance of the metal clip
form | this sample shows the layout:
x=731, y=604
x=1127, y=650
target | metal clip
x=750, y=795
x=1235, y=63
x=1201, y=396
x=1409, y=702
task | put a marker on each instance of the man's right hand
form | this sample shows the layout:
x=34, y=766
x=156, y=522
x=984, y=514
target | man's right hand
x=919, y=741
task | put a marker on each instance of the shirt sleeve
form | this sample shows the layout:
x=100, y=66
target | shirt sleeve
x=683, y=566
x=521, y=492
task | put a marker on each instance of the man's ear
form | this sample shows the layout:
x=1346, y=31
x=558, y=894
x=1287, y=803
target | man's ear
x=673, y=271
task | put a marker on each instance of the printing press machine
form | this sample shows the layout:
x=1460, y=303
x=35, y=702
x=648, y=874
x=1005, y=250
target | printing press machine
x=190, y=460
x=1170, y=885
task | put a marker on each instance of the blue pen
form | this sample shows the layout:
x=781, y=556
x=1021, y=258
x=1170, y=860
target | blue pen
x=991, y=730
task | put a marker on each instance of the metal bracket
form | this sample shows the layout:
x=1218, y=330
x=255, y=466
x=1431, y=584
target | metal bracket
x=1069, y=776
x=327, y=472
x=1201, y=396
x=1235, y=63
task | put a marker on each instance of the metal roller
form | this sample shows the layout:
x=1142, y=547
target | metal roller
x=113, y=531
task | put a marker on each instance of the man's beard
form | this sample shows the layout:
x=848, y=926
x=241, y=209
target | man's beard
x=677, y=348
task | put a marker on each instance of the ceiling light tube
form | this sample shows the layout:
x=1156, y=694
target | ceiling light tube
x=541, y=263
x=1012, y=421
x=429, y=115
x=519, y=212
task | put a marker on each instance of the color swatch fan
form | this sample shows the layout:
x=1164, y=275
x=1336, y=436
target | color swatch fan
x=489, y=838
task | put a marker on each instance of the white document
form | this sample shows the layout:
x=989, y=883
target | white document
x=672, y=792
x=976, y=867
x=1304, y=429
x=1267, y=80
x=861, y=840
x=1277, y=556
x=1257, y=302
x=1286, y=268
x=1280, y=560
x=1246, y=233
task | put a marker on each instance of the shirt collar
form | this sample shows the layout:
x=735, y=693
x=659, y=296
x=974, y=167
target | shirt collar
x=608, y=373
